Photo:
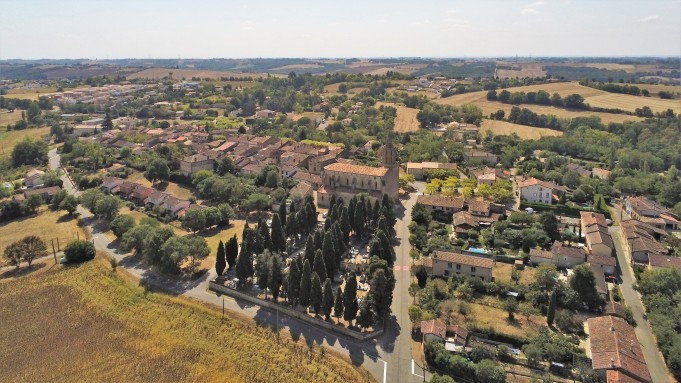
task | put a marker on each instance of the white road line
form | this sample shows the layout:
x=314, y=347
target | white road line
x=385, y=370
x=412, y=370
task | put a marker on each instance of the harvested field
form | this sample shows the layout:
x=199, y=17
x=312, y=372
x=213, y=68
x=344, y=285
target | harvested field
x=29, y=94
x=87, y=323
x=173, y=188
x=298, y=66
x=503, y=128
x=655, y=89
x=630, y=103
x=158, y=73
x=520, y=70
x=406, y=118
x=48, y=225
x=9, y=139
x=7, y=117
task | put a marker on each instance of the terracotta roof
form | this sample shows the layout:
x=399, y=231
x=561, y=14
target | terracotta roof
x=465, y=218
x=615, y=309
x=601, y=235
x=539, y=253
x=669, y=262
x=643, y=203
x=589, y=218
x=601, y=260
x=439, y=200
x=431, y=165
x=567, y=251
x=427, y=262
x=52, y=190
x=459, y=333
x=479, y=206
x=614, y=347
x=615, y=376
x=357, y=169
x=435, y=327
x=463, y=259
x=523, y=183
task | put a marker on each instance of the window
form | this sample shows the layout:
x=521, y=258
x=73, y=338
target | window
x=446, y=273
x=458, y=267
x=472, y=269
x=449, y=265
x=547, y=195
x=483, y=278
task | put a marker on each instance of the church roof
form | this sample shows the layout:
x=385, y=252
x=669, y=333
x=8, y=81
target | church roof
x=357, y=169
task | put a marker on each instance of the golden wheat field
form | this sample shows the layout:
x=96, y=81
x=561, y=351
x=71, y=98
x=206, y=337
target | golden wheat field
x=504, y=128
x=85, y=323
x=406, y=117
x=487, y=107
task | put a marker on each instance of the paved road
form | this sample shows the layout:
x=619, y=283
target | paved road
x=644, y=333
x=388, y=358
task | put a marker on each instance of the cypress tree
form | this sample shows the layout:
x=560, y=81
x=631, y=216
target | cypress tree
x=376, y=212
x=332, y=201
x=305, y=282
x=346, y=228
x=329, y=255
x=293, y=285
x=282, y=213
x=316, y=296
x=551, y=311
x=327, y=298
x=350, y=298
x=265, y=237
x=358, y=225
x=338, y=306
x=244, y=266
x=277, y=237
x=309, y=249
x=351, y=212
x=231, y=251
x=220, y=260
x=319, y=265
x=318, y=238
x=368, y=223
x=380, y=295
x=365, y=317
x=276, y=276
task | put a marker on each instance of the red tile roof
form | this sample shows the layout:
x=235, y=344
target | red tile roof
x=435, y=327
x=463, y=259
x=357, y=169
x=669, y=262
x=439, y=200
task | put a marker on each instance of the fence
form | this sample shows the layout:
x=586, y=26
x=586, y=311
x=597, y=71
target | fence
x=293, y=313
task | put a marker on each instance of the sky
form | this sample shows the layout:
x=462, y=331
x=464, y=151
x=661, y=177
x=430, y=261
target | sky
x=33, y=29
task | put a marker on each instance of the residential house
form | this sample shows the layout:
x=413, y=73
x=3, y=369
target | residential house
x=155, y=199
x=615, y=309
x=300, y=160
x=174, y=205
x=111, y=183
x=251, y=169
x=433, y=330
x=539, y=256
x=34, y=178
x=480, y=156
x=200, y=161
x=595, y=229
x=124, y=189
x=537, y=191
x=641, y=239
x=441, y=207
x=607, y=264
x=45, y=193
x=317, y=163
x=140, y=193
x=487, y=175
x=567, y=257
x=302, y=189
x=614, y=347
x=445, y=263
x=647, y=211
x=657, y=262
x=463, y=222
x=420, y=170
x=581, y=170
x=485, y=212
x=312, y=179
x=288, y=170
x=265, y=113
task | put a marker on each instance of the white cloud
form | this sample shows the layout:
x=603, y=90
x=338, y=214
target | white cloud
x=421, y=23
x=537, y=4
x=452, y=12
x=649, y=18
x=529, y=11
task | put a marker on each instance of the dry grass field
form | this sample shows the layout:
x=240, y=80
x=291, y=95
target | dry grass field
x=7, y=117
x=503, y=128
x=655, y=89
x=497, y=318
x=157, y=73
x=29, y=94
x=169, y=187
x=298, y=66
x=487, y=107
x=502, y=272
x=406, y=118
x=48, y=225
x=520, y=70
x=86, y=323
x=9, y=139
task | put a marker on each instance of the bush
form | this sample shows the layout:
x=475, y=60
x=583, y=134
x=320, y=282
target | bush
x=568, y=323
x=79, y=251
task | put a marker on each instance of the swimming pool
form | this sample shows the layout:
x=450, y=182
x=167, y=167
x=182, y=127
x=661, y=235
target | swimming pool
x=477, y=250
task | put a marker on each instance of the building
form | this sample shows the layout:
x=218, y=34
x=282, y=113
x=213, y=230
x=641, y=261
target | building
x=539, y=256
x=34, y=178
x=538, y=191
x=420, y=170
x=607, y=264
x=480, y=156
x=567, y=257
x=346, y=180
x=441, y=207
x=192, y=164
x=595, y=229
x=647, y=211
x=657, y=262
x=434, y=329
x=487, y=175
x=641, y=239
x=45, y=193
x=614, y=347
x=316, y=164
x=445, y=263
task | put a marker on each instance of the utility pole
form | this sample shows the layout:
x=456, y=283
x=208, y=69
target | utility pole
x=54, y=252
x=223, y=309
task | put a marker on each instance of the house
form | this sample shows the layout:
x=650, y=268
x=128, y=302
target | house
x=464, y=221
x=192, y=164
x=599, y=242
x=251, y=168
x=600, y=173
x=641, y=240
x=316, y=164
x=647, y=211
x=441, y=207
x=420, y=170
x=265, y=113
x=539, y=256
x=140, y=193
x=174, y=205
x=538, y=191
x=599, y=278
x=445, y=264
x=45, y=193
x=567, y=257
x=657, y=262
x=581, y=170
x=434, y=329
x=226, y=146
x=614, y=347
x=480, y=156
x=457, y=335
x=487, y=175
x=34, y=178
x=607, y=264
x=155, y=199
x=111, y=183
x=300, y=160
x=312, y=179
x=303, y=189
x=124, y=189
x=615, y=309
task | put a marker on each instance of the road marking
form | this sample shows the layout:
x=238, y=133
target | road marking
x=412, y=369
x=385, y=370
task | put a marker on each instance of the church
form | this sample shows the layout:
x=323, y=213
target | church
x=346, y=180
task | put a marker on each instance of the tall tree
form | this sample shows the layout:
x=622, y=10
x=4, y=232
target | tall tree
x=262, y=270
x=278, y=238
x=345, y=225
x=220, y=260
x=157, y=170
x=338, y=306
x=319, y=265
x=584, y=282
x=244, y=265
x=194, y=220
x=276, y=276
x=33, y=247
x=551, y=312
x=550, y=225
x=327, y=298
x=360, y=219
x=282, y=213
x=365, y=317
x=351, y=211
x=231, y=251
x=309, y=249
x=107, y=124
x=316, y=296
x=380, y=295
x=293, y=283
x=350, y=298
x=305, y=284
x=264, y=232
x=329, y=255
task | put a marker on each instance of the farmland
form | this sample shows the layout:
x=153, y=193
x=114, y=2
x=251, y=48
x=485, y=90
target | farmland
x=504, y=128
x=7, y=117
x=104, y=327
x=157, y=73
x=48, y=225
x=9, y=139
x=406, y=118
x=30, y=94
x=520, y=70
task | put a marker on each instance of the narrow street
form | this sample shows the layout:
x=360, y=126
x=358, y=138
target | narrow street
x=388, y=358
x=644, y=333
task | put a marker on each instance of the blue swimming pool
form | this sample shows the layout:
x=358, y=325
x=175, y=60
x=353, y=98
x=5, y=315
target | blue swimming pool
x=477, y=250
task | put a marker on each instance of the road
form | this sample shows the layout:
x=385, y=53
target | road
x=388, y=358
x=644, y=333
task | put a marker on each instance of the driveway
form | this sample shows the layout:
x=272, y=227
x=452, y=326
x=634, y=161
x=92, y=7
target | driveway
x=644, y=333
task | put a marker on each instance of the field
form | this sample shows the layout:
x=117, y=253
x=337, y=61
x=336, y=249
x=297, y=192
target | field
x=173, y=188
x=502, y=272
x=30, y=94
x=520, y=70
x=488, y=316
x=7, y=117
x=157, y=73
x=9, y=139
x=87, y=323
x=503, y=128
x=406, y=118
x=48, y=225
x=655, y=89
x=487, y=107
x=298, y=66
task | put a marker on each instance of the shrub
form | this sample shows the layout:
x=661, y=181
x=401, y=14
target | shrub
x=79, y=251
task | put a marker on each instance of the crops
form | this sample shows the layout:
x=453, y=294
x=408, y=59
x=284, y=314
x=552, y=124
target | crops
x=503, y=128
x=87, y=323
x=406, y=118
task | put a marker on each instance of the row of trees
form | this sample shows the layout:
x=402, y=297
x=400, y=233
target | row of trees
x=203, y=218
x=26, y=250
x=541, y=97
